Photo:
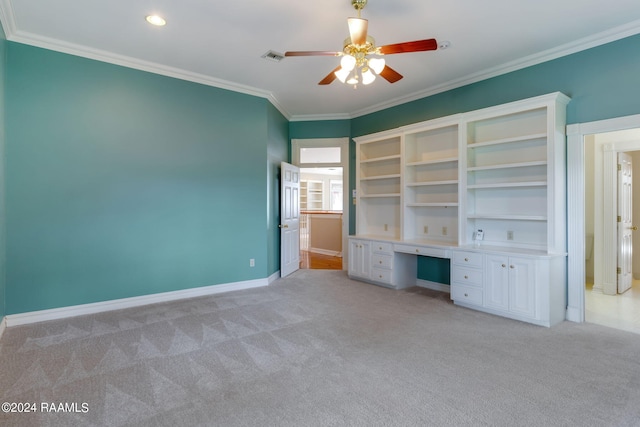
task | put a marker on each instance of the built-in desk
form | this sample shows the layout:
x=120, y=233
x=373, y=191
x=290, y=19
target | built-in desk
x=522, y=284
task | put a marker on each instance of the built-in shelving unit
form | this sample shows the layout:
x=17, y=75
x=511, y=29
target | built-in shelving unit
x=311, y=195
x=378, y=187
x=425, y=189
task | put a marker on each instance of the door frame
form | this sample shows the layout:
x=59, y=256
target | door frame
x=575, y=205
x=343, y=143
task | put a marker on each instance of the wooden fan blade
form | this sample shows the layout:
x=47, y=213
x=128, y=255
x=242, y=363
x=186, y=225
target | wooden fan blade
x=312, y=53
x=390, y=75
x=406, y=47
x=330, y=77
x=358, y=30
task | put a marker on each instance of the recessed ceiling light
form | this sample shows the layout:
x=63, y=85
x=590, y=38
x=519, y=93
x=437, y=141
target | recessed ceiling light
x=156, y=20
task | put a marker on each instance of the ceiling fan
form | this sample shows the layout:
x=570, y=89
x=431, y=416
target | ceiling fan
x=361, y=59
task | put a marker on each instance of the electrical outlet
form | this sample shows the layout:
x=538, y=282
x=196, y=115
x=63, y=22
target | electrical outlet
x=444, y=231
x=426, y=229
x=510, y=235
x=252, y=262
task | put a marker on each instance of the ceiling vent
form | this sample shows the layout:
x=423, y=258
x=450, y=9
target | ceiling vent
x=273, y=56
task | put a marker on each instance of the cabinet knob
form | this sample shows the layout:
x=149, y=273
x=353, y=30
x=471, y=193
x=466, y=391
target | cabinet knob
x=466, y=259
x=418, y=250
x=381, y=276
x=504, y=265
x=380, y=248
x=511, y=266
x=466, y=277
x=380, y=262
x=466, y=295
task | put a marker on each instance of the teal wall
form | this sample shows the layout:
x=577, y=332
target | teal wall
x=123, y=183
x=3, y=67
x=277, y=152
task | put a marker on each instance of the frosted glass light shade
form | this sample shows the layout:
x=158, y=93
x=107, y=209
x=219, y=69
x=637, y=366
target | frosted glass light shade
x=368, y=77
x=348, y=62
x=342, y=74
x=377, y=64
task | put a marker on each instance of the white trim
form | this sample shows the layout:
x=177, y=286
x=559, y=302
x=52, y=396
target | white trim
x=275, y=276
x=434, y=286
x=3, y=326
x=119, y=304
x=575, y=208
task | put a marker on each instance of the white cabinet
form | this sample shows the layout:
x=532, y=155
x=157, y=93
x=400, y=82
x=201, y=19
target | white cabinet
x=511, y=285
x=467, y=277
x=378, y=262
x=359, y=258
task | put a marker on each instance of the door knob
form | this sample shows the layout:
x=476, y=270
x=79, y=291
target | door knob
x=634, y=228
x=283, y=226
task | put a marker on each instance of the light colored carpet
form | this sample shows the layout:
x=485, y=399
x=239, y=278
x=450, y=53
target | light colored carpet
x=317, y=349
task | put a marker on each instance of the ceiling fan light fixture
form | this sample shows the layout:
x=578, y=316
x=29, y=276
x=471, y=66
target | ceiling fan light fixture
x=348, y=62
x=377, y=64
x=342, y=74
x=367, y=76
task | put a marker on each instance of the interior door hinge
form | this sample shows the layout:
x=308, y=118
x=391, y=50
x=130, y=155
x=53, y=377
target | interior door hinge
x=619, y=167
x=619, y=218
x=619, y=270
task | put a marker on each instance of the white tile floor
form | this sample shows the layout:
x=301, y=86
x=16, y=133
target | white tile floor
x=616, y=311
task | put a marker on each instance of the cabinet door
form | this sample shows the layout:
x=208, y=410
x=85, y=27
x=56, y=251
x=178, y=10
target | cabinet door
x=522, y=289
x=496, y=283
x=359, y=258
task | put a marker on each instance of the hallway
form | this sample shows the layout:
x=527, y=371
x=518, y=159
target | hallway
x=616, y=311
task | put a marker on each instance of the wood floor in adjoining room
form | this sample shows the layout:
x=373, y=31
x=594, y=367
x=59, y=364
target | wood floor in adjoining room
x=314, y=261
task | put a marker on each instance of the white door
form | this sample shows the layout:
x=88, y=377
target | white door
x=289, y=219
x=625, y=225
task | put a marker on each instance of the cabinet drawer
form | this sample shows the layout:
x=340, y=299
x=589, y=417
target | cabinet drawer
x=468, y=276
x=380, y=275
x=382, y=247
x=472, y=259
x=423, y=250
x=381, y=261
x=466, y=294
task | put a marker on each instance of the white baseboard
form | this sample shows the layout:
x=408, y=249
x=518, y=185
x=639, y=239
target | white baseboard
x=325, y=252
x=3, y=326
x=275, y=276
x=119, y=304
x=435, y=286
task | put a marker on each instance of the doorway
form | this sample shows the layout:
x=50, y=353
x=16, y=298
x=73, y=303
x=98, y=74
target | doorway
x=592, y=151
x=324, y=208
x=607, y=301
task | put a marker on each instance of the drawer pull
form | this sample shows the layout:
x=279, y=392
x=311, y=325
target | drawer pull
x=466, y=277
x=504, y=265
x=418, y=250
x=511, y=266
x=380, y=248
x=381, y=276
x=466, y=295
x=466, y=259
x=380, y=262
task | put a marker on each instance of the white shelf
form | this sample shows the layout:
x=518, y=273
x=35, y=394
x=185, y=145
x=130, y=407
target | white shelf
x=372, y=178
x=508, y=217
x=381, y=159
x=520, y=138
x=507, y=166
x=424, y=184
x=440, y=204
x=434, y=161
x=508, y=185
x=374, y=196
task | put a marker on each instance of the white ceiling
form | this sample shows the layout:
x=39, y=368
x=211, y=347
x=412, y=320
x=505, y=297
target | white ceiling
x=221, y=42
